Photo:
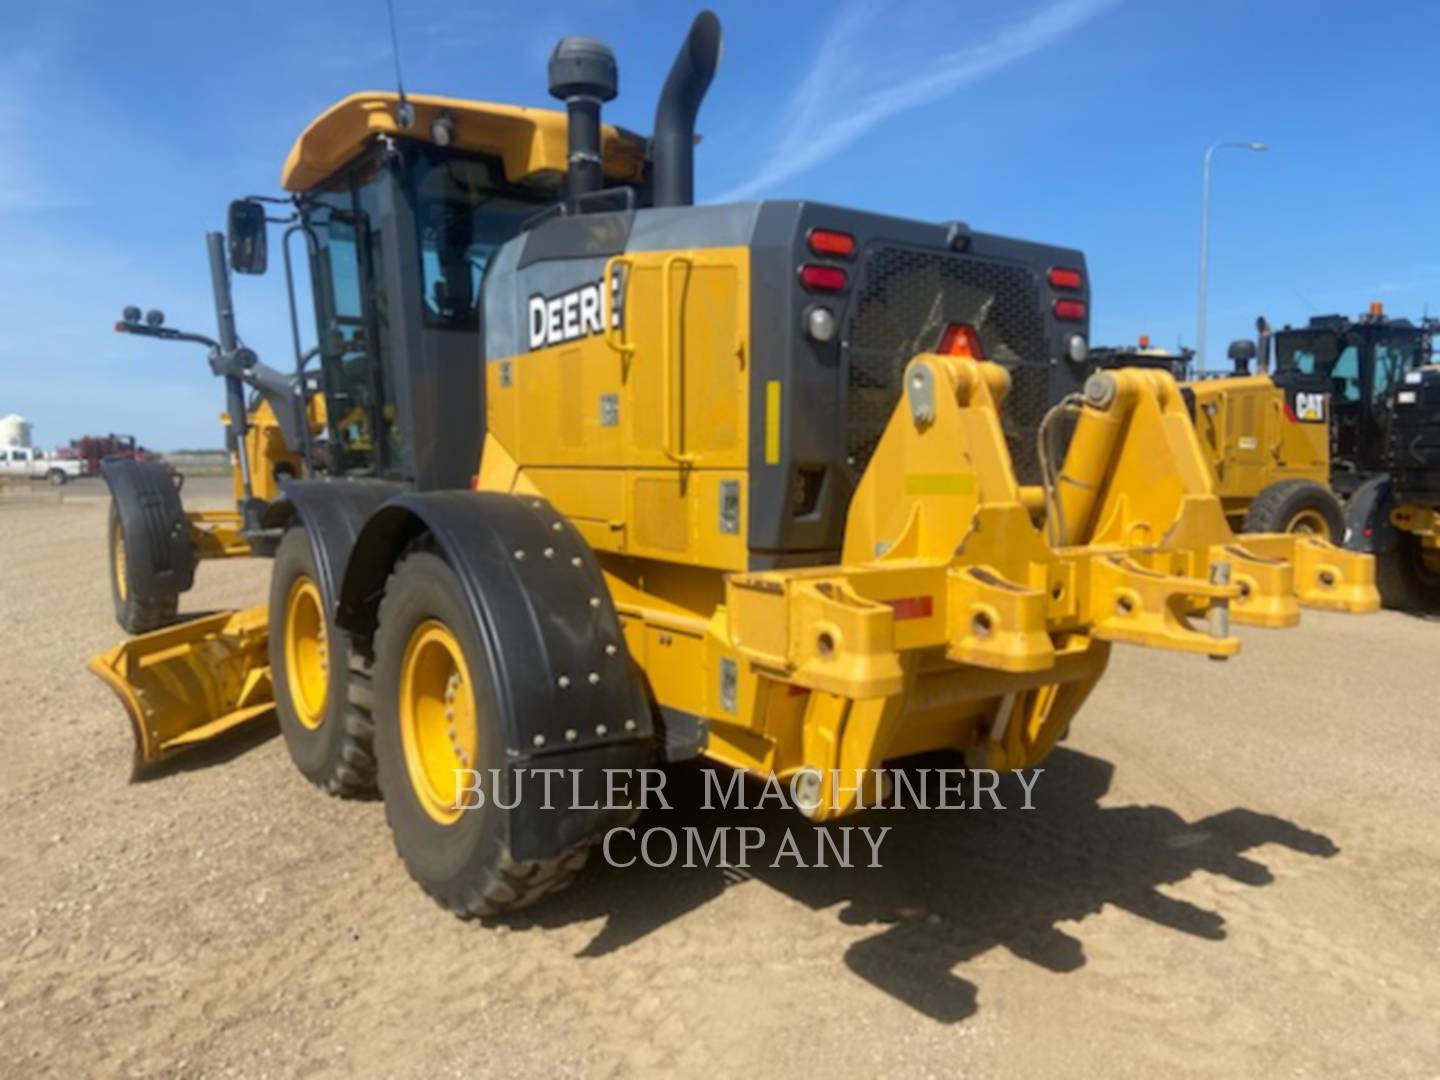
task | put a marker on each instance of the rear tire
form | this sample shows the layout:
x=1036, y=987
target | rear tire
x=1297, y=506
x=57, y=477
x=1404, y=581
x=435, y=701
x=321, y=690
x=135, y=612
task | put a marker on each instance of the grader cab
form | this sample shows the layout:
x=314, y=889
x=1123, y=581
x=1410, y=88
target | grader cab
x=624, y=480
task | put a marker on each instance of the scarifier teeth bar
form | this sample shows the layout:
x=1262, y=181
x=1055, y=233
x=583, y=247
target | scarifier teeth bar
x=1148, y=607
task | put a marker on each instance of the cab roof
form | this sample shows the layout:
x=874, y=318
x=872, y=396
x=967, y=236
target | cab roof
x=531, y=143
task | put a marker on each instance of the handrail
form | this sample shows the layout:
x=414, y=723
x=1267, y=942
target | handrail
x=669, y=363
x=614, y=336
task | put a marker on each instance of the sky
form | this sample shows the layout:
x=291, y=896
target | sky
x=126, y=128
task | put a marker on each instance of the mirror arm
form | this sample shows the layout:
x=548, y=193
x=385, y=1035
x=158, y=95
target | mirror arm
x=165, y=333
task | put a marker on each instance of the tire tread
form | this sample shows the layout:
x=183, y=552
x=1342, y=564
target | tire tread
x=506, y=884
x=1270, y=509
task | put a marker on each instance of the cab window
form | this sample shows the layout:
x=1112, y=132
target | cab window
x=464, y=212
x=1309, y=354
x=352, y=314
x=1392, y=360
x=1345, y=375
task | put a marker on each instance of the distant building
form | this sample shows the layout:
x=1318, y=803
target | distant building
x=15, y=430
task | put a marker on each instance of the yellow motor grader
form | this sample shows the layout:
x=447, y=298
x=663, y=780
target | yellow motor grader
x=1336, y=438
x=639, y=481
x=1266, y=438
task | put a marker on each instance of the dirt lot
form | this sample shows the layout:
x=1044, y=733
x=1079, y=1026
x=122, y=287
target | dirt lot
x=1231, y=870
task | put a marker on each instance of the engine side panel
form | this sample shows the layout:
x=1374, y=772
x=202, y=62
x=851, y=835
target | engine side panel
x=651, y=371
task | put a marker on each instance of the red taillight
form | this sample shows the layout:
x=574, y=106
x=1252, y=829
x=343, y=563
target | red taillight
x=823, y=278
x=1062, y=277
x=830, y=242
x=1069, y=310
x=959, y=340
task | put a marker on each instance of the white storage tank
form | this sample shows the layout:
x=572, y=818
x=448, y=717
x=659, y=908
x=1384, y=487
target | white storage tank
x=14, y=430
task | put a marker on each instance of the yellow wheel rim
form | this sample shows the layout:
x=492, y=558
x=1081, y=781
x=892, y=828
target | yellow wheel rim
x=307, y=654
x=1310, y=523
x=437, y=719
x=117, y=541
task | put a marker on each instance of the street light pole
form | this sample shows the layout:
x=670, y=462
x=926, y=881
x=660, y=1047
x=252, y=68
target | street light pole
x=1205, y=241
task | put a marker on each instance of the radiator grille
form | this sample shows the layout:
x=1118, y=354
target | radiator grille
x=905, y=300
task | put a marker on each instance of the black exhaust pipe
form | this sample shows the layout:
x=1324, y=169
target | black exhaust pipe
x=673, y=144
x=1262, y=344
x=583, y=75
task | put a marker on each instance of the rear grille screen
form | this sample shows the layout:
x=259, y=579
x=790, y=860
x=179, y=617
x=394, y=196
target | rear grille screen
x=905, y=301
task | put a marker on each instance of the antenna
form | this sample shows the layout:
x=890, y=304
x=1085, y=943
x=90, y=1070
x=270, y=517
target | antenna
x=404, y=115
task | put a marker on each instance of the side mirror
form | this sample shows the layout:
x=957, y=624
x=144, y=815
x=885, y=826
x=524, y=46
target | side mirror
x=245, y=236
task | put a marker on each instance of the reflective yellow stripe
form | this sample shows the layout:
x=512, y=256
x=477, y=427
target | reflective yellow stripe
x=772, y=422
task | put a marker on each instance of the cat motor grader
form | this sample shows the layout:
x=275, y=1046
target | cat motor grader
x=639, y=480
x=1265, y=438
x=1329, y=436
x=1378, y=372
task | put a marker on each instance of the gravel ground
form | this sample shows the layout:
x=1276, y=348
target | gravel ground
x=1230, y=871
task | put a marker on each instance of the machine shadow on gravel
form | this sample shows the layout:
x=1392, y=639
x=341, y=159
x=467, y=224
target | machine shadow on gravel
x=955, y=884
x=221, y=751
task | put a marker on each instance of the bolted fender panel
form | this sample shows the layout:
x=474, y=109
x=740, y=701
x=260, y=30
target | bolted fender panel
x=568, y=693
x=332, y=512
x=1367, y=518
x=158, y=550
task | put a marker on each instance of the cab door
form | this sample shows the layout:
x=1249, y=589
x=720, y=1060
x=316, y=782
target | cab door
x=1386, y=358
x=1349, y=427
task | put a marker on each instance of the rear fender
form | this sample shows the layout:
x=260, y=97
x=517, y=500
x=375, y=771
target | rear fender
x=333, y=512
x=159, y=554
x=1367, y=518
x=569, y=697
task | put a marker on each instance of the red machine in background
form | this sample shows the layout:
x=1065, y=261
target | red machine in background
x=93, y=449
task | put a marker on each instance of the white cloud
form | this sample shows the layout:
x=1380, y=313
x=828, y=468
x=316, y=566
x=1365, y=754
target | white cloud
x=851, y=87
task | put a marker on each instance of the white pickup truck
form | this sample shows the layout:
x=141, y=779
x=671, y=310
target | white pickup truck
x=28, y=461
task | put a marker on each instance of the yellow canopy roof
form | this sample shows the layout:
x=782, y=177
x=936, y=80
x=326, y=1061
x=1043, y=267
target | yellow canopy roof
x=527, y=141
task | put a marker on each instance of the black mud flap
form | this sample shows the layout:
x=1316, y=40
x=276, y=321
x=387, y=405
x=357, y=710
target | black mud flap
x=1367, y=518
x=159, y=554
x=333, y=512
x=570, y=697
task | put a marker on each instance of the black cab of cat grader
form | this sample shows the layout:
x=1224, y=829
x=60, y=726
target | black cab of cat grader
x=617, y=480
x=1381, y=382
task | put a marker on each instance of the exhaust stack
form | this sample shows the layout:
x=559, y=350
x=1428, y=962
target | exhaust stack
x=674, y=138
x=584, y=76
x=1263, y=335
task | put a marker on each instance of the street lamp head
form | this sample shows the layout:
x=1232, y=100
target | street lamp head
x=1259, y=146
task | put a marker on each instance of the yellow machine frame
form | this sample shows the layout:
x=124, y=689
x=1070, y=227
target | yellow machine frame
x=950, y=622
x=1250, y=443
x=216, y=534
